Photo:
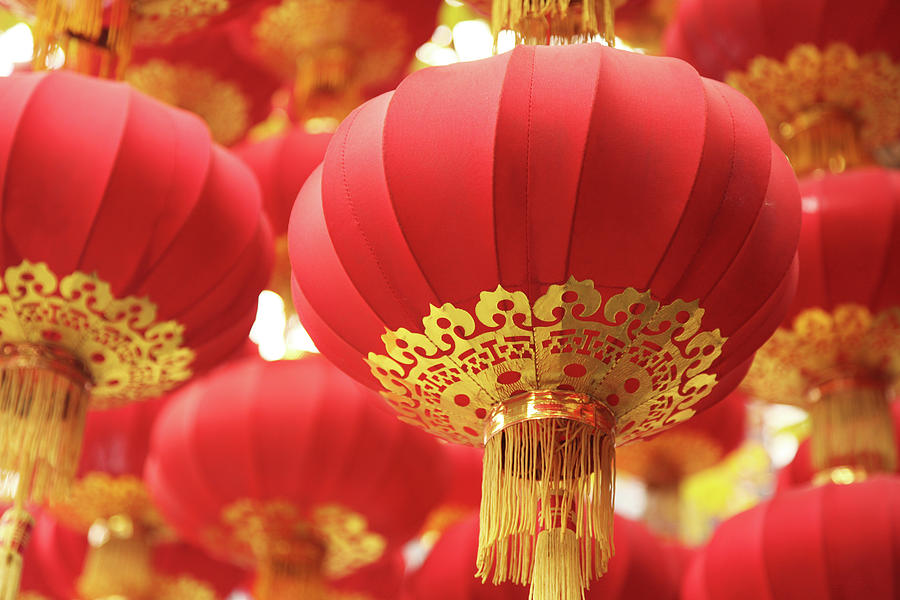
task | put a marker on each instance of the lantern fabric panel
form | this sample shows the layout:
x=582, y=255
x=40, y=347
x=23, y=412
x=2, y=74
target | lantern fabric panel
x=833, y=542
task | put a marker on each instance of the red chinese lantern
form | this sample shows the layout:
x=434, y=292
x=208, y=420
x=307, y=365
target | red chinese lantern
x=825, y=74
x=838, y=352
x=53, y=560
x=207, y=75
x=837, y=542
x=463, y=490
x=381, y=580
x=664, y=461
x=337, y=54
x=132, y=260
x=292, y=470
x=800, y=472
x=638, y=571
x=282, y=164
x=516, y=267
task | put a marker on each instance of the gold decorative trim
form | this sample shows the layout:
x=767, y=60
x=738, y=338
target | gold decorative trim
x=126, y=351
x=182, y=588
x=821, y=347
x=219, y=102
x=646, y=362
x=827, y=108
x=277, y=531
x=548, y=404
x=98, y=495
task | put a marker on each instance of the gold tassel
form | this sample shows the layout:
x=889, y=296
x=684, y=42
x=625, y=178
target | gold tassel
x=323, y=84
x=559, y=21
x=118, y=562
x=545, y=450
x=663, y=513
x=824, y=139
x=43, y=403
x=288, y=580
x=852, y=429
x=15, y=530
x=557, y=570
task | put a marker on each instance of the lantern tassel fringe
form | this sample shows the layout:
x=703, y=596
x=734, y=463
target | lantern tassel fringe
x=536, y=474
x=42, y=416
x=557, y=570
x=559, y=21
x=15, y=531
x=852, y=427
x=120, y=567
x=823, y=139
x=277, y=579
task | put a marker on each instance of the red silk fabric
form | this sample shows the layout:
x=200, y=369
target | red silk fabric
x=295, y=431
x=850, y=241
x=641, y=569
x=178, y=559
x=282, y=164
x=718, y=36
x=98, y=178
x=828, y=543
x=53, y=558
x=536, y=165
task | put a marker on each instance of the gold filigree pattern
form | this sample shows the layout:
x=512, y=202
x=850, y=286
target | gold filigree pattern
x=126, y=351
x=824, y=346
x=220, y=103
x=812, y=85
x=278, y=530
x=647, y=362
x=99, y=495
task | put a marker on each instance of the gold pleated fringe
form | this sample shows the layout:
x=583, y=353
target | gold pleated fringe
x=42, y=415
x=121, y=567
x=825, y=140
x=555, y=21
x=546, y=463
x=283, y=580
x=323, y=84
x=15, y=531
x=852, y=427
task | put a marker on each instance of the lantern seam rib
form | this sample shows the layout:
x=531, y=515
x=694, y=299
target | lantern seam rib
x=531, y=284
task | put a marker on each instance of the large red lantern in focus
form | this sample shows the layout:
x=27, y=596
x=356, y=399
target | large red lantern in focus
x=291, y=468
x=838, y=352
x=207, y=75
x=97, y=308
x=336, y=54
x=664, y=461
x=282, y=164
x=824, y=73
x=837, y=542
x=515, y=266
x=641, y=569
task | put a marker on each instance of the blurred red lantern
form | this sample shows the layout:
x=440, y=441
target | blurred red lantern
x=98, y=308
x=53, y=560
x=207, y=75
x=664, y=461
x=337, y=54
x=381, y=580
x=485, y=274
x=290, y=467
x=838, y=352
x=183, y=572
x=638, y=571
x=282, y=164
x=800, y=471
x=837, y=542
x=824, y=73
x=463, y=490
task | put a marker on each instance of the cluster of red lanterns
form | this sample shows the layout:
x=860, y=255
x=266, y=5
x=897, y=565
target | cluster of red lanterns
x=511, y=267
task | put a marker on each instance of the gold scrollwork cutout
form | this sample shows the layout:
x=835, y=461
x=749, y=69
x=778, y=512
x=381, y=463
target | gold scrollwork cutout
x=647, y=362
x=119, y=342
